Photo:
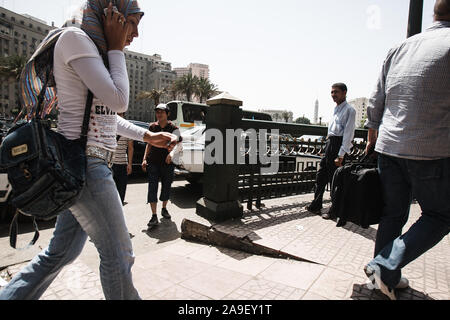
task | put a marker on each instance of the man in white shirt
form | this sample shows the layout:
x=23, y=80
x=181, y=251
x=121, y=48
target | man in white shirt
x=341, y=132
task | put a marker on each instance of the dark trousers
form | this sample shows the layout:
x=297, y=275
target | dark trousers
x=326, y=170
x=156, y=173
x=402, y=180
x=120, y=176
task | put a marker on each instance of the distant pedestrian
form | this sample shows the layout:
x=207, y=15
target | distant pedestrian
x=341, y=132
x=123, y=164
x=159, y=165
x=409, y=121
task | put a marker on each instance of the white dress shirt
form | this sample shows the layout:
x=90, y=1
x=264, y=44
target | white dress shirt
x=343, y=125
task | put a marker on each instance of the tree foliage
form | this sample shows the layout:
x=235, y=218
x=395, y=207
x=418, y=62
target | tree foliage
x=303, y=120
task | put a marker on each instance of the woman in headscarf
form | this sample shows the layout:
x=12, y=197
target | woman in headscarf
x=92, y=57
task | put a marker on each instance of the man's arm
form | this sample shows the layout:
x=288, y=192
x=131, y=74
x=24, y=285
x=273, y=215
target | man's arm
x=160, y=140
x=349, y=134
x=178, y=148
x=377, y=104
x=146, y=153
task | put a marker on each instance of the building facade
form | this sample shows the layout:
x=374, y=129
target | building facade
x=196, y=69
x=20, y=35
x=360, y=105
x=146, y=73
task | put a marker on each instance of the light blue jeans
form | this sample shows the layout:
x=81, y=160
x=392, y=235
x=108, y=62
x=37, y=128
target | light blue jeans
x=402, y=180
x=99, y=215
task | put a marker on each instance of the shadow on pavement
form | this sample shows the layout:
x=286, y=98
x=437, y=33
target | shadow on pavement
x=370, y=233
x=284, y=213
x=165, y=231
x=272, y=216
x=186, y=196
x=361, y=292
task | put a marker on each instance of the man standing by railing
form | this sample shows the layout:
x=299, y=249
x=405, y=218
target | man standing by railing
x=341, y=132
x=409, y=121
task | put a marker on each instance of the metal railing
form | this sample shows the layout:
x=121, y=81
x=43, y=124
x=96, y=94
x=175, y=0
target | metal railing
x=291, y=170
x=297, y=161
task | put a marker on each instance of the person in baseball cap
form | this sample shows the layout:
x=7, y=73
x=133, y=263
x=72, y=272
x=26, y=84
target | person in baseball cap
x=159, y=165
x=162, y=106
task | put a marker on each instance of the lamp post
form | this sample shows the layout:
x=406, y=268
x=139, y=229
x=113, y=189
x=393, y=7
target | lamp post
x=415, y=17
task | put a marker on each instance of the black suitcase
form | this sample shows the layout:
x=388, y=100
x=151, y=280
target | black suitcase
x=356, y=194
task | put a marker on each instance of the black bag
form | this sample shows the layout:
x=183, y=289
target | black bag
x=356, y=194
x=46, y=170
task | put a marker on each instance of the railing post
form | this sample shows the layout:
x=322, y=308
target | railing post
x=415, y=17
x=220, y=181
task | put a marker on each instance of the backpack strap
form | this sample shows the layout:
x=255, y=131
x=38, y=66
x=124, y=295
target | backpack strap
x=87, y=118
x=14, y=229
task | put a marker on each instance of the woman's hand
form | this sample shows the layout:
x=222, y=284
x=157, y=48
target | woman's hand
x=116, y=29
x=162, y=140
x=169, y=159
x=144, y=165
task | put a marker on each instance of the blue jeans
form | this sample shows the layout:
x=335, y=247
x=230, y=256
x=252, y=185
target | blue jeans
x=156, y=173
x=97, y=214
x=402, y=180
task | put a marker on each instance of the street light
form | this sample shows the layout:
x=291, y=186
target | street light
x=415, y=17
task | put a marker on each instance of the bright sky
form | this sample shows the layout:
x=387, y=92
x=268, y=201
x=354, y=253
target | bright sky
x=271, y=54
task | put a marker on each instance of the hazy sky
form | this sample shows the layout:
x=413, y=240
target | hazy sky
x=271, y=54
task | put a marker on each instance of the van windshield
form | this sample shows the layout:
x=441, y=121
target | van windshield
x=194, y=113
x=173, y=108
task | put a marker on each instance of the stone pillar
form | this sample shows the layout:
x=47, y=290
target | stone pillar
x=220, y=181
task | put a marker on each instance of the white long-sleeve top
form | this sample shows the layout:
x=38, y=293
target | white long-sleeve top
x=79, y=66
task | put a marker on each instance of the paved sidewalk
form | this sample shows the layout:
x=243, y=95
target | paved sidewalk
x=176, y=269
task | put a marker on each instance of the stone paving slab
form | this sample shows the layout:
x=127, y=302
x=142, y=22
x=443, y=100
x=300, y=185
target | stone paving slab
x=181, y=270
x=284, y=224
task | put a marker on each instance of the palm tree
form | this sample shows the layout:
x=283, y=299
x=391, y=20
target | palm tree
x=276, y=116
x=205, y=89
x=11, y=69
x=154, y=95
x=172, y=91
x=187, y=85
x=286, y=116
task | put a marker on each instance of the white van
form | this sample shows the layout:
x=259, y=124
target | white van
x=187, y=115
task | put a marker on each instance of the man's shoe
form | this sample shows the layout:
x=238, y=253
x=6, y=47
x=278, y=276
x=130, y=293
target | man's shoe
x=327, y=216
x=313, y=209
x=153, y=222
x=165, y=214
x=403, y=284
x=374, y=274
